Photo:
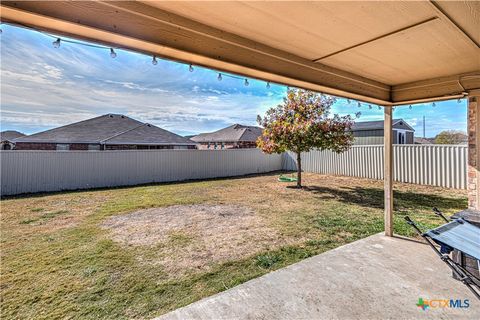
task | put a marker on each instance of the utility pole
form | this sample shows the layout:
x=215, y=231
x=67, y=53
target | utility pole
x=423, y=127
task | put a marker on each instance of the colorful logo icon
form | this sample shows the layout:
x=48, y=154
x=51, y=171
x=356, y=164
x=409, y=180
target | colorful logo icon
x=442, y=303
x=422, y=304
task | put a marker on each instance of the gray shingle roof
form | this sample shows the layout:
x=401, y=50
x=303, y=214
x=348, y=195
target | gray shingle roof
x=233, y=133
x=109, y=129
x=151, y=135
x=10, y=135
x=375, y=125
x=421, y=140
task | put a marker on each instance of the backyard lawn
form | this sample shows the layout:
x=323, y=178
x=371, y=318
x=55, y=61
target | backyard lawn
x=140, y=252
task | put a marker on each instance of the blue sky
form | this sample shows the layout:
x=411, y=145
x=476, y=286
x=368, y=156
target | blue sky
x=44, y=87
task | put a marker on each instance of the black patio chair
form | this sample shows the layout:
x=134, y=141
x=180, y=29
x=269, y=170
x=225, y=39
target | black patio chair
x=456, y=234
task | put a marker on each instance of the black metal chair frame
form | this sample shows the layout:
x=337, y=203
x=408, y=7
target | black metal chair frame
x=463, y=275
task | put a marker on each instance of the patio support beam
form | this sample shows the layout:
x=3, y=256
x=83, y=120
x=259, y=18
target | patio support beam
x=388, y=170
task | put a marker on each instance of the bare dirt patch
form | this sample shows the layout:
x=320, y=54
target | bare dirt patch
x=194, y=236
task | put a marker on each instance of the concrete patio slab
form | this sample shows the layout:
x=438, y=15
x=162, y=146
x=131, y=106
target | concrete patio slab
x=374, y=278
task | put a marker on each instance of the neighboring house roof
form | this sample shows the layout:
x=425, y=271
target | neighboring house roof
x=149, y=134
x=233, y=133
x=420, y=140
x=10, y=135
x=108, y=129
x=378, y=125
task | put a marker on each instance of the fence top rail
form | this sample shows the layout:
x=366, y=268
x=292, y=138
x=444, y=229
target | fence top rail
x=431, y=145
x=134, y=150
x=411, y=145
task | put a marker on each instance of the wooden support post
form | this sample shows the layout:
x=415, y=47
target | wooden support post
x=388, y=171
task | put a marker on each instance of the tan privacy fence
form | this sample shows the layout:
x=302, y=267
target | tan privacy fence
x=437, y=165
x=38, y=171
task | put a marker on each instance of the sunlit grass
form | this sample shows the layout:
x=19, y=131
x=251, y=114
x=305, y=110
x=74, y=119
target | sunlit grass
x=57, y=262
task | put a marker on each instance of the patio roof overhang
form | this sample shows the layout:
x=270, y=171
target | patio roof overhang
x=387, y=53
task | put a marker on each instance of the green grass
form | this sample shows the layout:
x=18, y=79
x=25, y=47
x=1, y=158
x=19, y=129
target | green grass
x=56, y=261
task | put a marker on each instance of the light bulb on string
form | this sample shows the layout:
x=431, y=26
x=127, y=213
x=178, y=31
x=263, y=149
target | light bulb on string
x=370, y=106
x=434, y=104
x=154, y=61
x=246, y=82
x=113, y=54
x=379, y=108
x=268, y=84
x=459, y=100
x=56, y=43
x=219, y=78
x=359, y=104
x=410, y=107
x=348, y=101
x=190, y=68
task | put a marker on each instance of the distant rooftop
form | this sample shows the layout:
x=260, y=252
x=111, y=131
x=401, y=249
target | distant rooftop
x=10, y=135
x=233, y=133
x=378, y=125
x=108, y=129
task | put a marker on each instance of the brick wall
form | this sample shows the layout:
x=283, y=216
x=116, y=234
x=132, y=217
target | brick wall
x=84, y=146
x=473, y=143
x=228, y=145
x=47, y=146
x=35, y=146
x=140, y=147
x=121, y=147
x=78, y=146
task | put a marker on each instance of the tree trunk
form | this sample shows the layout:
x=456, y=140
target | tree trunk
x=299, y=170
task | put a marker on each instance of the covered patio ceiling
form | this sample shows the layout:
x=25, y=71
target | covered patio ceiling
x=388, y=53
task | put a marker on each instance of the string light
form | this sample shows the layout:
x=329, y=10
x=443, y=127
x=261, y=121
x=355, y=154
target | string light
x=410, y=107
x=348, y=101
x=459, y=100
x=113, y=54
x=56, y=43
x=434, y=104
x=379, y=108
x=370, y=106
x=359, y=104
